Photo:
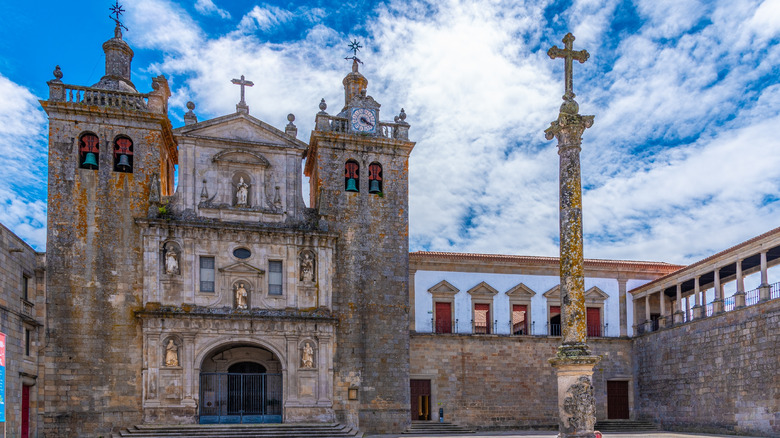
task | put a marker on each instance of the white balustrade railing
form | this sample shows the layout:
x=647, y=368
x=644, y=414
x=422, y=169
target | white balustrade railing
x=98, y=97
x=341, y=125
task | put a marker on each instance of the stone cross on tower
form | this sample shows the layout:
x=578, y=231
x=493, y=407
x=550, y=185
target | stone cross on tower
x=573, y=363
x=242, y=107
x=568, y=54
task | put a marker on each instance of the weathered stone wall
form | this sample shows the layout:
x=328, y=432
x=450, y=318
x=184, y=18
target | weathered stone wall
x=94, y=254
x=19, y=260
x=370, y=289
x=490, y=381
x=718, y=374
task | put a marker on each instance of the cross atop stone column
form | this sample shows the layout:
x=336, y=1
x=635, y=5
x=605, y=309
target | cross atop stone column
x=573, y=362
x=568, y=54
x=242, y=107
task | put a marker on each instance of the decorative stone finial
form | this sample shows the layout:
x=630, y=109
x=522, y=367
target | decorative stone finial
x=323, y=105
x=57, y=74
x=190, y=117
x=291, y=129
x=402, y=115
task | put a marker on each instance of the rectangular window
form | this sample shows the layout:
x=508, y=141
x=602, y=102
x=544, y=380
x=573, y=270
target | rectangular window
x=206, y=274
x=519, y=322
x=274, y=278
x=26, y=287
x=443, y=318
x=26, y=342
x=482, y=318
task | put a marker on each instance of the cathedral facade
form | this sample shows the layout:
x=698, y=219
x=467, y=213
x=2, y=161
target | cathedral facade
x=228, y=300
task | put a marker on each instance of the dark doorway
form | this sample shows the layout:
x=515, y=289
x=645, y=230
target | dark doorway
x=421, y=399
x=555, y=321
x=25, y=411
x=245, y=394
x=617, y=400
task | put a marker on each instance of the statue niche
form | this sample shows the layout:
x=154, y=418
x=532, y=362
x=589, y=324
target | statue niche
x=171, y=258
x=308, y=265
x=171, y=353
x=307, y=356
x=242, y=190
x=241, y=294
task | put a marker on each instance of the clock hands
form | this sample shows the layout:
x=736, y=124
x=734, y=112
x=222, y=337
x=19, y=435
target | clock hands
x=365, y=120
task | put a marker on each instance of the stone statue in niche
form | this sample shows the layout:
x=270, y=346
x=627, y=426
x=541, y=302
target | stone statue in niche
x=171, y=261
x=171, y=354
x=307, y=267
x=307, y=356
x=242, y=192
x=241, y=296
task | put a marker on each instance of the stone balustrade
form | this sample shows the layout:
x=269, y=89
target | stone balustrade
x=326, y=122
x=88, y=96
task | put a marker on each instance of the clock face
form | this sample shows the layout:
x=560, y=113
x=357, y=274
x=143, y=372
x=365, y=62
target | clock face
x=363, y=120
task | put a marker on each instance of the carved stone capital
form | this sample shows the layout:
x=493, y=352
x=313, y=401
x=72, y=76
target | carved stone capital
x=568, y=129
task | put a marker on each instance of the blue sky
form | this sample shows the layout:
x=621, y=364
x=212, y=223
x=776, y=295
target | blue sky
x=682, y=160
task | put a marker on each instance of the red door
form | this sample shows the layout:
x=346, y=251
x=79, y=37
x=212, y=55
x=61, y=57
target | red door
x=617, y=400
x=443, y=317
x=594, y=322
x=25, y=411
x=421, y=399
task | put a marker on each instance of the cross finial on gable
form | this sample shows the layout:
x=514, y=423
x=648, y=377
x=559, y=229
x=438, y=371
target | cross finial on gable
x=242, y=107
x=568, y=54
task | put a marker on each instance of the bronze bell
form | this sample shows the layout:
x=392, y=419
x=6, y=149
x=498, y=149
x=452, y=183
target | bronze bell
x=124, y=163
x=351, y=185
x=373, y=186
x=90, y=160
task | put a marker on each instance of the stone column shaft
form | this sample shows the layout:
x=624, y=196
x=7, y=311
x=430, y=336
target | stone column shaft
x=763, y=290
x=739, y=297
x=717, y=304
x=678, y=315
x=623, y=310
x=697, y=308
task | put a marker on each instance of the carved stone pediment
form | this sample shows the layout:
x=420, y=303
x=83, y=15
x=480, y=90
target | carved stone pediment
x=240, y=128
x=242, y=268
x=482, y=290
x=595, y=295
x=443, y=288
x=243, y=157
x=554, y=293
x=521, y=291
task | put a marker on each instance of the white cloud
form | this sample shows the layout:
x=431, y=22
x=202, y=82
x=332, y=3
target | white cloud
x=23, y=155
x=264, y=18
x=207, y=7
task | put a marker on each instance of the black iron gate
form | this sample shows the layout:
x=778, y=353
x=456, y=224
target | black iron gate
x=240, y=398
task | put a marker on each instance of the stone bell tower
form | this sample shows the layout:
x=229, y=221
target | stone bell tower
x=111, y=151
x=358, y=169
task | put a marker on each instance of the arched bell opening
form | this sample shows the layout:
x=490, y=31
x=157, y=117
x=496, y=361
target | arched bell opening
x=89, y=151
x=241, y=383
x=375, y=178
x=352, y=176
x=123, y=154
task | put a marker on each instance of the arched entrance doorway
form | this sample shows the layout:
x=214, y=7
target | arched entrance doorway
x=240, y=384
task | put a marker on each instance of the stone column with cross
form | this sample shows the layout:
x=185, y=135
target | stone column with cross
x=242, y=107
x=573, y=362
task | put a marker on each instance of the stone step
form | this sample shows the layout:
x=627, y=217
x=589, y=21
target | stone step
x=436, y=428
x=624, y=426
x=240, y=430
